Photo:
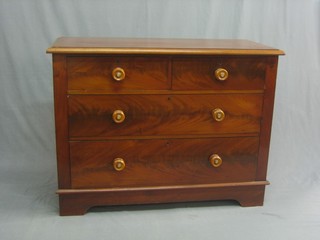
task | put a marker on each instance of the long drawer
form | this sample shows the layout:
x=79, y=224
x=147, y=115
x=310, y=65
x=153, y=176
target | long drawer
x=93, y=116
x=162, y=162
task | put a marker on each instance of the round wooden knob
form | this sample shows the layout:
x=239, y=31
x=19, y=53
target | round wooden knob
x=221, y=74
x=118, y=116
x=215, y=160
x=119, y=164
x=118, y=74
x=218, y=114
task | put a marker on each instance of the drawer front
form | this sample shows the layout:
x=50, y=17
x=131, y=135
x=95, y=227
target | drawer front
x=162, y=162
x=92, y=116
x=96, y=73
x=198, y=73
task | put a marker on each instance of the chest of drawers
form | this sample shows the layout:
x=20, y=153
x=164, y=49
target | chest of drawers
x=161, y=120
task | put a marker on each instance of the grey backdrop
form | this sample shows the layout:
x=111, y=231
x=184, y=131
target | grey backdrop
x=28, y=205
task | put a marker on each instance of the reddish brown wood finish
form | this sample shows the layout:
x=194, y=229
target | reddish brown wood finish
x=162, y=162
x=267, y=113
x=198, y=73
x=61, y=119
x=78, y=202
x=163, y=114
x=169, y=133
x=95, y=73
x=160, y=46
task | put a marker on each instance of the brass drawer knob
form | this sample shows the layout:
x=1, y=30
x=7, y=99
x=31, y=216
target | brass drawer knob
x=118, y=116
x=119, y=164
x=118, y=74
x=215, y=160
x=218, y=114
x=221, y=74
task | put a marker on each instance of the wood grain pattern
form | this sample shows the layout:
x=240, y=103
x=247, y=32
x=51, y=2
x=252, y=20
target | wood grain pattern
x=267, y=113
x=92, y=73
x=197, y=73
x=74, y=45
x=185, y=186
x=162, y=92
x=163, y=114
x=78, y=203
x=162, y=162
x=61, y=120
x=169, y=133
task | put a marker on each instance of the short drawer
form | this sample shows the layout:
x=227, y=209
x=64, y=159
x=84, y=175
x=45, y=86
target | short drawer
x=139, y=163
x=96, y=116
x=218, y=73
x=117, y=73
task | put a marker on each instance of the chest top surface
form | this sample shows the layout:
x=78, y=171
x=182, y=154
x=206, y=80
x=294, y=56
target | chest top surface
x=78, y=45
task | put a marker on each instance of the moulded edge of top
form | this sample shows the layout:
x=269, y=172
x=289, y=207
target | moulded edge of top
x=148, y=46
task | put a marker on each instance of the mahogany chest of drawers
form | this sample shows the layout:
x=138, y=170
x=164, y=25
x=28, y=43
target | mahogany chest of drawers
x=161, y=120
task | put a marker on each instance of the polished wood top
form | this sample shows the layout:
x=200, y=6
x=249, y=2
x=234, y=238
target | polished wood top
x=78, y=45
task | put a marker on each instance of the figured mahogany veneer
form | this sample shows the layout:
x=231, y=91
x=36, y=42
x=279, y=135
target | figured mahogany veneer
x=152, y=120
x=164, y=162
x=93, y=73
x=91, y=116
x=195, y=73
